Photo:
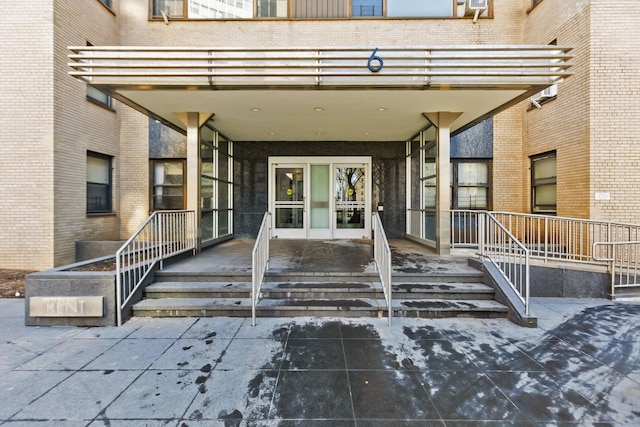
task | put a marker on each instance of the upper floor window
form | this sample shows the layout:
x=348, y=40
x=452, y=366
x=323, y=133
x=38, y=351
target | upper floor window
x=106, y=3
x=99, y=183
x=543, y=183
x=366, y=8
x=97, y=95
x=247, y=9
x=413, y=8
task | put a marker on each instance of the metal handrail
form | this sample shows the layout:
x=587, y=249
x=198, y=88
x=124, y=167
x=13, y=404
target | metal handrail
x=624, y=263
x=509, y=255
x=382, y=258
x=163, y=235
x=547, y=237
x=259, y=263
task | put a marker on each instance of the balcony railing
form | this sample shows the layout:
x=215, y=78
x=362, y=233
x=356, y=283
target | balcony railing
x=362, y=67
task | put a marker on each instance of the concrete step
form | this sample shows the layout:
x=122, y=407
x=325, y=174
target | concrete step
x=224, y=289
x=468, y=276
x=355, y=307
x=315, y=290
x=442, y=308
x=457, y=290
x=193, y=307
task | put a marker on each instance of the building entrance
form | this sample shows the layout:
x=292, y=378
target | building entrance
x=320, y=197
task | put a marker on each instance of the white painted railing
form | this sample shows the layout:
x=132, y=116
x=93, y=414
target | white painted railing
x=503, y=250
x=164, y=234
x=382, y=258
x=259, y=263
x=623, y=259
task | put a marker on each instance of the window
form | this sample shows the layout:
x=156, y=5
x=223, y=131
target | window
x=168, y=187
x=543, y=183
x=413, y=8
x=366, y=8
x=205, y=9
x=272, y=8
x=99, y=97
x=312, y=9
x=96, y=95
x=98, y=183
x=534, y=3
x=216, y=184
x=106, y=3
x=470, y=184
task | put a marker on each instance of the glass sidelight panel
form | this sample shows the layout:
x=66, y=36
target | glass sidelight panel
x=350, y=196
x=319, y=196
x=289, y=203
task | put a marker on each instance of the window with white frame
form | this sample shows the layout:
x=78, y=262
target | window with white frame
x=543, y=183
x=168, y=187
x=470, y=184
x=99, y=183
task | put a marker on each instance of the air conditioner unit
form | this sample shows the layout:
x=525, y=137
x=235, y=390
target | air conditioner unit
x=543, y=95
x=547, y=93
x=474, y=7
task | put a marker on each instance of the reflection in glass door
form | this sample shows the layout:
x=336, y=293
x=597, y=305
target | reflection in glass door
x=290, y=201
x=350, y=191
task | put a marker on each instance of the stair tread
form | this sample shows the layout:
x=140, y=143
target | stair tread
x=431, y=304
x=199, y=286
x=164, y=303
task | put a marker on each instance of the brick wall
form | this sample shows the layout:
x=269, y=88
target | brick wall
x=614, y=110
x=563, y=125
x=26, y=120
x=48, y=126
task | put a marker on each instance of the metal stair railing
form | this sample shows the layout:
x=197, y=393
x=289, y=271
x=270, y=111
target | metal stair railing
x=623, y=259
x=382, y=258
x=507, y=254
x=163, y=235
x=259, y=263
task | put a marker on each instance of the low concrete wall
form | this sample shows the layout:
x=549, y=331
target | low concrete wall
x=90, y=249
x=65, y=293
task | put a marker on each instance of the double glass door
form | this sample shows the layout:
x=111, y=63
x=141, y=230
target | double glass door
x=320, y=197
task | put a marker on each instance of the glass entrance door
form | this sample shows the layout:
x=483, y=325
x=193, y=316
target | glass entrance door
x=289, y=203
x=351, y=194
x=320, y=197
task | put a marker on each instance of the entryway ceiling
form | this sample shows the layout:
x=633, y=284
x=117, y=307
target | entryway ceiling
x=323, y=115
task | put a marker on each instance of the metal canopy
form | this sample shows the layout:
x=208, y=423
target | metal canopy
x=307, y=94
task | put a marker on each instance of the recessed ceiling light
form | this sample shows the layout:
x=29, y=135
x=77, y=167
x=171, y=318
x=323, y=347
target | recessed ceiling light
x=382, y=108
x=318, y=109
x=367, y=133
x=319, y=133
x=255, y=109
x=272, y=133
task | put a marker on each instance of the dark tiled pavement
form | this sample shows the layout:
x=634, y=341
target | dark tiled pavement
x=581, y=366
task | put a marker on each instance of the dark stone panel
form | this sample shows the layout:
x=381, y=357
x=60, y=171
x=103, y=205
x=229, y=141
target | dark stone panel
x=475, y=142
x=166, y=143
x=563, y=282
x=251, y=179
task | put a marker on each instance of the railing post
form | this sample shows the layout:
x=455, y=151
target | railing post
x=160, y=220
x=482, y=217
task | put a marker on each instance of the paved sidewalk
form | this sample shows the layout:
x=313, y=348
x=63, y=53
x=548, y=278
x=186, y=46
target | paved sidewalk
x=581, y=366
